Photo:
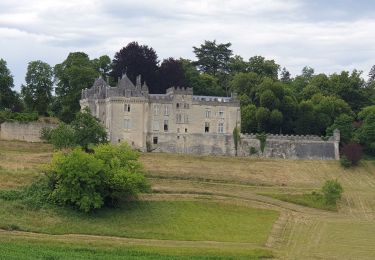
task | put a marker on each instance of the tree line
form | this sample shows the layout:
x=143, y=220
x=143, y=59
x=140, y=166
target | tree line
x=271, y=99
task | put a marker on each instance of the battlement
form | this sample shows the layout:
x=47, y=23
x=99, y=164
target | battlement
x=277, y=137
x=179, y=91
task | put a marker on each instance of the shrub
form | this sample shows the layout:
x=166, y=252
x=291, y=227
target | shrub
x=352, y=152
x=332, y=191
x=345, y=162
x=62, y=137
x=83, y=131
x=91, y=181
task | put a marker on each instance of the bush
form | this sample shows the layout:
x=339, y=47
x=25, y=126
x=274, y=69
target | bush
x=352, y=152
x=8, y=116
x=91, y=181
x=83, y=131
x=61, y=137
x=332, y=191
x=345, y=162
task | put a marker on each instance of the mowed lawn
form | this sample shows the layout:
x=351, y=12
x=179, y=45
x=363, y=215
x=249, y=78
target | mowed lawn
x=13, y=247
x=171, y=220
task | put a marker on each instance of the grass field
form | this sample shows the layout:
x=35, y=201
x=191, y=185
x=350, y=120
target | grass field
x=201, y=208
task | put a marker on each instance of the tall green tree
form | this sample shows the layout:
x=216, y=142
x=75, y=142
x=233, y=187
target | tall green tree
x=103, y=66
x=37, y=94
x=213, y=57
x=7, y=95
x=77, y=72
x=171, y=74
x=134, y=60
x=263, y=67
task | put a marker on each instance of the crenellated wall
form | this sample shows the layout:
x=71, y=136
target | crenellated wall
x=307, y=147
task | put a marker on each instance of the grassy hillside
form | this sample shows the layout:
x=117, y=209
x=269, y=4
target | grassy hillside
x=202, y=206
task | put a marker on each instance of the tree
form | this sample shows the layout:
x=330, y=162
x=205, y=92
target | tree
x=91, y=181
x=7, y=95
x=285, y=75
x=262, y=116
x=245, y=84
x=88, y=130
x=366, y=133
x=263, y=67
x=103, y=66
x=276, y=120
x=371, y=75
x=236, y=65
x=236, y=139
x=77, y=72
x=212, y=57
x=134, y=60
x=344, y=123
x=171, y=74
x=84, y=130
x=248, y=119
x=352, y=152
x=332, y=191
x=37, y=93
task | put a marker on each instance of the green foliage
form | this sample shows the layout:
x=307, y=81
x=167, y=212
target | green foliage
x=77, y=72
x=312, y=200
x=35, y=196
x=262, y=139
x=85, y=130
x=248, y=119
x=344, y=123
x=8, y=97
x=212, y=57
x=366, y=133
x=253, y=150
x=61, y=137
x=37, y=94
x=262, y=116
x=88, y=130
x=90, y=181
x=332, y=191
x=345, y=162
x=263, y=67
x=8, y=116
x=236, y=138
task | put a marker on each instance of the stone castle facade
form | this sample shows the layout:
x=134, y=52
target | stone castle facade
x=176, y=121
x=180, y=122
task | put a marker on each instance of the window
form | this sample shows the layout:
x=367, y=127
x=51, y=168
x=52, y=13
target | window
x=220, y=128
x=208, y=113
x=166, y=110
x=221, y=114
x=155, y=140
x=185, y=130
x=207, y=127
x=128, y=107
x=178, y=118
x=156, y=110
x=127, y=124
x=186, y=106
x=177, y=105
x=186, y=119
x=155, y=126
x=165, y=125
x=125, y=107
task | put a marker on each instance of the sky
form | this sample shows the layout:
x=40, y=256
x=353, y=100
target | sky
x=329, y=36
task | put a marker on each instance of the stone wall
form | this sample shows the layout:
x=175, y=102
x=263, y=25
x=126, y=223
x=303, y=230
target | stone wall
x=276, y=146
x=307, y=147
x=29, y=132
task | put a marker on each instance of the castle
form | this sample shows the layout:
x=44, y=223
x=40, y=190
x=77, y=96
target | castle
x=177, y=121
x=180, y=122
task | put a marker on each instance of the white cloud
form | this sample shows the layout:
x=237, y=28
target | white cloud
x=278, y=29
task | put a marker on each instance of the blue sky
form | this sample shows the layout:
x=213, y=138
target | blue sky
x=329, y=36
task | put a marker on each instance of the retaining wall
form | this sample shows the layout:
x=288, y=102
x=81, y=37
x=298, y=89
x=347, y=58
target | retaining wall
x=29, y=132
